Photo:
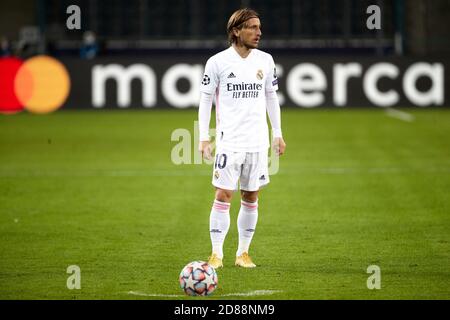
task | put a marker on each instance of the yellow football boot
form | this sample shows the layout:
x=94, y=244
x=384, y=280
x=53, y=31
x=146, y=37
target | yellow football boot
x=244, y=261
x=214, y=261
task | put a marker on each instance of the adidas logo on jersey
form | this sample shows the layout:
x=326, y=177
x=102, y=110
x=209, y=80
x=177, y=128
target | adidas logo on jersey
x=262, y=177
x=231, y=75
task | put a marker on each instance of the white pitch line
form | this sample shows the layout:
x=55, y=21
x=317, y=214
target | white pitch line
x=286, y=171
x=253, y=293
x=241, y=294
x=137, y=293
x=83, y=174
x=401, y=115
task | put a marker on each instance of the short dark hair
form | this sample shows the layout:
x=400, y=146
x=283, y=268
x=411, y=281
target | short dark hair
x=237, y=20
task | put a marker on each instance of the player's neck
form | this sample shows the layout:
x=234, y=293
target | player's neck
x=242, y=50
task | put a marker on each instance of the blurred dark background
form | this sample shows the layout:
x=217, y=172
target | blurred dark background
x=409, y=27
x=151, y=54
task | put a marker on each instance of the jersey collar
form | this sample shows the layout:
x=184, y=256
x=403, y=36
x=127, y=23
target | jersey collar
x=238, y=56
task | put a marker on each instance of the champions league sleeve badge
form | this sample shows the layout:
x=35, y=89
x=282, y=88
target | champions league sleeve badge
x=206, y=80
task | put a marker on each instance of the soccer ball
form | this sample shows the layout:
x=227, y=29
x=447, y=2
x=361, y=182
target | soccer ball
x=198, y=279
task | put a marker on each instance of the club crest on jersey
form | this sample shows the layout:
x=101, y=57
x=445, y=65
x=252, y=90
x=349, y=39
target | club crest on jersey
x=259, y=74
x=216, y=174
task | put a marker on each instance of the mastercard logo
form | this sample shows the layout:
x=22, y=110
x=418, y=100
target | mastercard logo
x=40, y=84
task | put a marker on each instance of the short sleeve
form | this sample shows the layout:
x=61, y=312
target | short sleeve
x=210, y=78
x=272, y=80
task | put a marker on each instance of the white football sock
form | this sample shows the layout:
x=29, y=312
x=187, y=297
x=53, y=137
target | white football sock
x=247, y=219
x=219, y=223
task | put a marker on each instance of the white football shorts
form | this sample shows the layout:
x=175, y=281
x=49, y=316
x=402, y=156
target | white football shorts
x=249, y=168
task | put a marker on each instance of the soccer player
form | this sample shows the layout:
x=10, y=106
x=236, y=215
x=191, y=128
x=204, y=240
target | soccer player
x=243, y=81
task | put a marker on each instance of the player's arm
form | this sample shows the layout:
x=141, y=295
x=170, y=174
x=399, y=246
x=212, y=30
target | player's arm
x=208, y=86
x=204, y=117
x=274, y=112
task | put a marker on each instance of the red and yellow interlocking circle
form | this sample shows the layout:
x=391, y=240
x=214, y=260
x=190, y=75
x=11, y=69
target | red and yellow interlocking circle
x=40, y=84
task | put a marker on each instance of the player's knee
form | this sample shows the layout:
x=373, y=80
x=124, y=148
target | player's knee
x=249, y=196
x=224, y=195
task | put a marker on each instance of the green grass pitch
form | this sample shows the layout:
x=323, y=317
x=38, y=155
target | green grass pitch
x=97, y=189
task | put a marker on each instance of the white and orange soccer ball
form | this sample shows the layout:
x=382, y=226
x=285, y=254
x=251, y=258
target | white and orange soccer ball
x=198, y=279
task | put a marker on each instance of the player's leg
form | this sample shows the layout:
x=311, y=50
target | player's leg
x=225, y=179
x=246, y=222
x=219, y=224
x=224, y=195
x=254, y=175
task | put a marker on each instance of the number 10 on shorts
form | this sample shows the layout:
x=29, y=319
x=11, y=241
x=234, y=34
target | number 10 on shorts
x=221, y=161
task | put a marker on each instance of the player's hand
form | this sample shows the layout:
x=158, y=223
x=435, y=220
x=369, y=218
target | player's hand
x=279, y=146
x=205, y=149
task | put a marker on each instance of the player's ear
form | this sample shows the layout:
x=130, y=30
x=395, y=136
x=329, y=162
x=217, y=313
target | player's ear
x=236, y=32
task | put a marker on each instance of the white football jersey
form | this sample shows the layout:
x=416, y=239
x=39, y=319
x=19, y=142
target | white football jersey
x=240, y=86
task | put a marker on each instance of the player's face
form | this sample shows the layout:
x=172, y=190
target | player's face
x=250, y=34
